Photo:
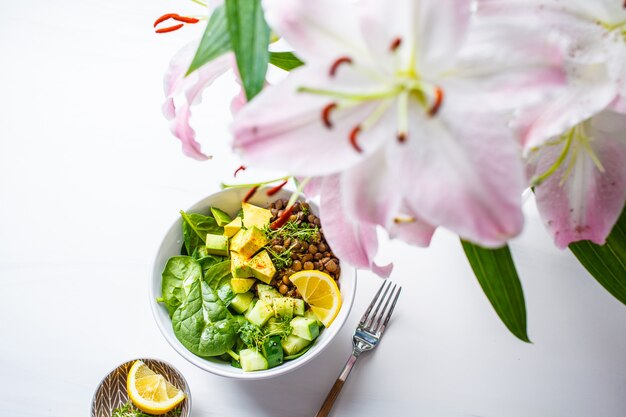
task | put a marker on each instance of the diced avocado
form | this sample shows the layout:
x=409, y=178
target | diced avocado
x=255, y=216
x=241, y=302
x=298, y=307
x=260, y=313
x=251, y=360
x=247, y=242
x=267, y=293
x=241, y=285
x=221, y=218
x=216, y=245
x=239, y=266
x=305, y=328
x=262, y=267
x=293, y=344
x=309, y=314
x=233, y=227
x=273, y=351
x=283, y=307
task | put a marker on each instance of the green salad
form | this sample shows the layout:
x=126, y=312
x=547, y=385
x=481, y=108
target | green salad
x=222, y=292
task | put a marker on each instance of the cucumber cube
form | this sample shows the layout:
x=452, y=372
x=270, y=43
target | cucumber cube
x=283, y=307
x=273, y=351
x=251, y=360
x=293, y=344
x=298, y=307
x=305, y=328
x=241, y=302
x=260, y=313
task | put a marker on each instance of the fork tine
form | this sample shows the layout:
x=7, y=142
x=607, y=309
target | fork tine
x=374, y=326
x=393, y=305
x=380, y=302
x=369, y=308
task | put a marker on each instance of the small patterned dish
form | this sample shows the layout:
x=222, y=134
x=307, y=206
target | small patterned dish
x=111, y=392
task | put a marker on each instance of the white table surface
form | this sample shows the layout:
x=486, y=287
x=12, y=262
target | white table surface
x=90, y=179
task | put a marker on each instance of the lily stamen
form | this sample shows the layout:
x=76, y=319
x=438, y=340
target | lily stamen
x=173, y=16
x=337, y=63
x=326, y=114
x=353, y=137
x=403, y=116
x=437, y=103
x=395, y=44
x=404, y=219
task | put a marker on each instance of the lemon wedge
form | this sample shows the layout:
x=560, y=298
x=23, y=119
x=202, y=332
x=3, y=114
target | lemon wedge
x=321, y=292
x=151, y=392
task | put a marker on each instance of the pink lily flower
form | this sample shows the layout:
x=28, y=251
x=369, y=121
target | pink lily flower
x=581, y=179
x=574, y=143
x=393, y=114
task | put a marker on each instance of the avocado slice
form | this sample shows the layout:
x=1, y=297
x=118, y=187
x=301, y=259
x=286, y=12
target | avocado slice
x=248, y=241
x=262, y=267
x=241, y=285
x=233, y=227
x=221, y=217
x=255, y=216
x=216, y=245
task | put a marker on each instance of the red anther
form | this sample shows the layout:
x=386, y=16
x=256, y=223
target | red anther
x=395, y=44
x=276, y=189
x=337, y=63
x=353, y=136
x=185, y=19
x=437, y=104
x=250, y=193
x=401, y=137
x=279, y=222
x=241, y=168
x=169, y=28
x=164, y=18
x=326, y=114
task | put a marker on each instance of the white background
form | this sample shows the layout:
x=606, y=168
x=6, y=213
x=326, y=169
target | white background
x=90, y=180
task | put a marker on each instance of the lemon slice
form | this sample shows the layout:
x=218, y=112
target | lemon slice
x=151, y=392
x=321, y=292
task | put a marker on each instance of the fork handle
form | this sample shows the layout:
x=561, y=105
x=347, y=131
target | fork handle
x=336, y=389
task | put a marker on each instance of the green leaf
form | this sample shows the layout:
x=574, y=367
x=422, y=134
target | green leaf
x=195, y=228
x=215, y=41
x=250, y=37
x=495, y=271
x=285, y=60
x=607, y=263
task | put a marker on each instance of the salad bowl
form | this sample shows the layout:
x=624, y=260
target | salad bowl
x=230, y=202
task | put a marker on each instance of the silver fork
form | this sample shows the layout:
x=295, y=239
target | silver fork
x=366, y=337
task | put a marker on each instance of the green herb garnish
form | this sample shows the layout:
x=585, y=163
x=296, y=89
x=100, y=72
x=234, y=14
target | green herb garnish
x=254, y=337
x=129, y=410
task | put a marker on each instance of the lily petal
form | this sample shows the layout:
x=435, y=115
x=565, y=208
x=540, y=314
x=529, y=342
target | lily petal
x=444, y=25
x=464, y=173
x=369, y=191
x=589, y=202
x=270, y=133
x=192, y=87
x=353, y=241
x=316, y=29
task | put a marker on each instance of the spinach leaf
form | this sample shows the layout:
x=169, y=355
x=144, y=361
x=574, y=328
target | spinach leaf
x=195, y=228
x=203, y=324
x=177, y=276
x=206, y=260
x=218, y=277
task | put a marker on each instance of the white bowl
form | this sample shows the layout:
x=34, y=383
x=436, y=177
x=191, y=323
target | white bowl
x=230, y=201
